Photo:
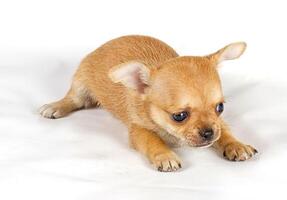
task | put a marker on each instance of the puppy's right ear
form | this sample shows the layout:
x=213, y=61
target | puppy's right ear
x=133, y=75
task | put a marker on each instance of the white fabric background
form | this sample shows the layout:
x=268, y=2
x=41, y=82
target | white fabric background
x=86, y=155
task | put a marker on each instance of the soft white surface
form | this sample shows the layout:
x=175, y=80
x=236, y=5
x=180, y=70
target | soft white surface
x=86, y=155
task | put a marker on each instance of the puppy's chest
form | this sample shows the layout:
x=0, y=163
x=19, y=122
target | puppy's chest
x=145, y=122
x=170, y=139
x=139, y=115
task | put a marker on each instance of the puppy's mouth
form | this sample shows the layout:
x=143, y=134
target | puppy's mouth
x=206, y=144
x=203, y=144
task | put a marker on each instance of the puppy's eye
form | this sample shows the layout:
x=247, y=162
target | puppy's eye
x=179, y=117
x=219, y=108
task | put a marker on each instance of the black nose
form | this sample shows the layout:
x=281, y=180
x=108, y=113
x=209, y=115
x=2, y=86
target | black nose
x=206, y=133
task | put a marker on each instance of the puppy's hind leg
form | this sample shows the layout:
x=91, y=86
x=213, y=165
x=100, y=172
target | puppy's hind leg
x=77, y=98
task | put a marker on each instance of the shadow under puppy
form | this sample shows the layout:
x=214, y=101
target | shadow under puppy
x=164, y=99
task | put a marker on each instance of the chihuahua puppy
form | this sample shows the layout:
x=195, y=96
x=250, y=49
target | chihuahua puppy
x=164, y=99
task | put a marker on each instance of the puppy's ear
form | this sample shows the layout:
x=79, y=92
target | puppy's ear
x=229, y=52
x=133, y=75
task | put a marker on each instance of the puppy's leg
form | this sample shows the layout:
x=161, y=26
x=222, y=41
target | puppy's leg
x=153, y=147
x=78, y=97
x=231, y=148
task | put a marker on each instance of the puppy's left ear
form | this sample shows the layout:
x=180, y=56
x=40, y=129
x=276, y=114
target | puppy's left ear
x=229, y=52
x=133, y=75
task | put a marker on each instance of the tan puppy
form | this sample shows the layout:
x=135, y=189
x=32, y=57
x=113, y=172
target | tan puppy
x=163, y=99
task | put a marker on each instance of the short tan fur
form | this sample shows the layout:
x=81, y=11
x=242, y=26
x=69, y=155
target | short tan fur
x=150, y=88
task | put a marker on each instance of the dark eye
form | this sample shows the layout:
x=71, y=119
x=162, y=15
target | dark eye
x=219, y=108
x=179, y=117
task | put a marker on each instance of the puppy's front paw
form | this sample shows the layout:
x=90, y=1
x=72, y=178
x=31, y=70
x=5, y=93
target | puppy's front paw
x=237, y=151
x=167, y=162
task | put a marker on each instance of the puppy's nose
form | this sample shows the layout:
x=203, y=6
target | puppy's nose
x=206, y=133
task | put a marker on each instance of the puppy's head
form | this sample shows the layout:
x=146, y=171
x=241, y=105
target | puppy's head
x=183, y=95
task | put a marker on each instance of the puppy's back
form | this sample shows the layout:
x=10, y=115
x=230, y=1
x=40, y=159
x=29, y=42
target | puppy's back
x=93, y=71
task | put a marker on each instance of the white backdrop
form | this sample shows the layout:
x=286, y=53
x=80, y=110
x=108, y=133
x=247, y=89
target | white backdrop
x=86, y=155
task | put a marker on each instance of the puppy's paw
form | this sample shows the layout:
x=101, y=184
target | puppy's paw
x=53, y=110
x=237, y=151
x=167, y=162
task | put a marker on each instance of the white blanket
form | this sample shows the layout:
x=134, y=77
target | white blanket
x=86, y=155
